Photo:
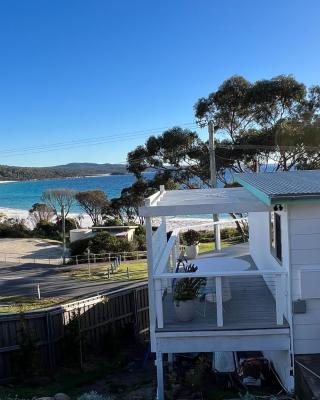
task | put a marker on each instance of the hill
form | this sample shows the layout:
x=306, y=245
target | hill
x=72, y=170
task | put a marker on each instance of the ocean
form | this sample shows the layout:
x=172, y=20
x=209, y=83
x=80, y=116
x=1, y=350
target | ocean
x=22, y=195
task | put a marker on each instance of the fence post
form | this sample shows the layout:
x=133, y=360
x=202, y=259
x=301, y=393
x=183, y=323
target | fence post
x=128, y=274
x=94, y=258
x=39, y=293
x=76, y=260
x=108, y=273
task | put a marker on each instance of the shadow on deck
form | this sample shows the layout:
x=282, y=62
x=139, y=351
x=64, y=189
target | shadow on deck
x=252, y=305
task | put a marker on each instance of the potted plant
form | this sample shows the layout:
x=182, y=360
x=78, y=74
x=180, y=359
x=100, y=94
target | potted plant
x=185, y=292
x=191, y=239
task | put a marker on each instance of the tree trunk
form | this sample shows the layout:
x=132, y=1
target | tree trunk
x=240, y=228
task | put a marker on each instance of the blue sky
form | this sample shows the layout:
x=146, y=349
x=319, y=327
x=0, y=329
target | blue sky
x=75, y=70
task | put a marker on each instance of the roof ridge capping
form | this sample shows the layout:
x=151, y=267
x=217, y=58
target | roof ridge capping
x=282, y=186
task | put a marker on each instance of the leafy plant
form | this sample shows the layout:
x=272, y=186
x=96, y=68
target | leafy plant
x=188, y=288
x=191, y=237
x=93, y=395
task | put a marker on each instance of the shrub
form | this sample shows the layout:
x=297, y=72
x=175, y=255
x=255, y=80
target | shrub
x=93, y=395
x=191, y=237
x=79, y=247
x=46, y=229
x=104, y=242
x=71, y=223
x=229, y=233
x=14, y=228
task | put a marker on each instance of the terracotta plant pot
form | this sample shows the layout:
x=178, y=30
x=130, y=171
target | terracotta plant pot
x=185, y=310
x=192, y=251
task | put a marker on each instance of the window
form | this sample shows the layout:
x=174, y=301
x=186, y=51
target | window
x=275, y=235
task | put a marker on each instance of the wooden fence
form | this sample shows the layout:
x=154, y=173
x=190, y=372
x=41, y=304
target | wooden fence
x=45, y=336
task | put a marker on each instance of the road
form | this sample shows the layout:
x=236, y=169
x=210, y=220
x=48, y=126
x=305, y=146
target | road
x=23, y=279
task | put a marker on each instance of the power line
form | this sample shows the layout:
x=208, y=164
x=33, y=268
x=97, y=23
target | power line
x=86, y=142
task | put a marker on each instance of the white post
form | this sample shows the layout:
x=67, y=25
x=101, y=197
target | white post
x=39, y=293
x=150, y=260
x=159, y=306
x=213, y=181
x=280, y=297
x=160, y=389
x=219, y=301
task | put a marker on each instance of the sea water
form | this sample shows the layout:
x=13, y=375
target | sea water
x=22, y=195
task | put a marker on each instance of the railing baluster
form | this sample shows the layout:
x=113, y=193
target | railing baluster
x=159, y=305
x=219, y=301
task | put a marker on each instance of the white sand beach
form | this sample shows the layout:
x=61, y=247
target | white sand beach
x=85, y=221
x=7, y=181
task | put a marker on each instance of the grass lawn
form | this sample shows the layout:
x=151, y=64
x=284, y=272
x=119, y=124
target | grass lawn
x=25, y=303
x=130, y=270
x=205, y=247
x=137, y=269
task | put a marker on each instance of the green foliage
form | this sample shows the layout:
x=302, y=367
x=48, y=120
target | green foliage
x=93, y=395
x=41, y=212
x=14, y=228
x=79, y=247
x=104, y=242
x=188, y=288
x=46, y=229
x=64, y=171
x=71, y=223
x=95, y=203
x=191, y=237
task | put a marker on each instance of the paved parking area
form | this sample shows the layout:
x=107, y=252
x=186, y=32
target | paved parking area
x=17, y=250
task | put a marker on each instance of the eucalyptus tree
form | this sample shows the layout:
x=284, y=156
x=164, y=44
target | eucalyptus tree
x=95, y=203
x=262, y=122
x=59, y=200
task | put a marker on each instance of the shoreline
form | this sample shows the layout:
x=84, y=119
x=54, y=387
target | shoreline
x=67, y=177
x=183, y=223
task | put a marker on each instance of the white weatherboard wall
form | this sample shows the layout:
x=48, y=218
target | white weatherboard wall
x=259, y=242
x=304, y=228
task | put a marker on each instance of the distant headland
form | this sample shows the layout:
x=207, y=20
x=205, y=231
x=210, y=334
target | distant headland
x=72, y=170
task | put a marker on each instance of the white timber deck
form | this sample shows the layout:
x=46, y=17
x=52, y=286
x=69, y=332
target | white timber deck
x=252, y=305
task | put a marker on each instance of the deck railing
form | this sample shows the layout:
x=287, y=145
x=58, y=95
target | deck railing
x=165, y=275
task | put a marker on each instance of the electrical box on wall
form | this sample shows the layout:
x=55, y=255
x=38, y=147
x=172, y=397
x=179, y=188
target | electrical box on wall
x=309, y=283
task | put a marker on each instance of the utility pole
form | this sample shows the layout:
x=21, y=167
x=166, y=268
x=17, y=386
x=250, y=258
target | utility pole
x=213, y=182
x=63, y=234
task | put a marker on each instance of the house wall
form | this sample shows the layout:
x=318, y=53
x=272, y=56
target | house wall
x=304, y=228
x=259, y=244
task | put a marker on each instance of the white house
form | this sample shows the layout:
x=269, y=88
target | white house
x=123, y=231
x=266, y=294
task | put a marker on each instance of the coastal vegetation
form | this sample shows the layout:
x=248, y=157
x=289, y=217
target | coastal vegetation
x=14, y=173
x=270, y=124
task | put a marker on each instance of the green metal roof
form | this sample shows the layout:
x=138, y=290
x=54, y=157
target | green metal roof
x=282, y=187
